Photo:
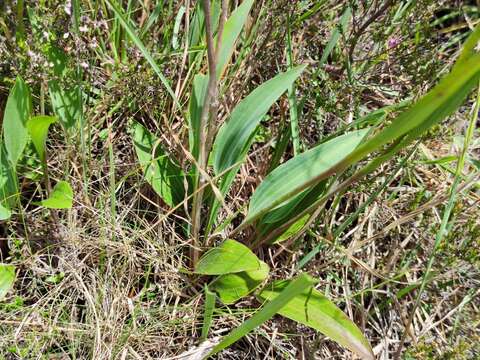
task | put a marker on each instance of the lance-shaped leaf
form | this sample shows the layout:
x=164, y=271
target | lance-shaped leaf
x=235, y=134
x=232, y=287
x=165, y=176
x=60, y=198
x=197, y=98
x=233, y=28
x=292, y=177
x=313, y=309
x=229, y=257
x=7, y=278
x=294, y=288
x=8, y=180
x=17, y=112
x=38, y=129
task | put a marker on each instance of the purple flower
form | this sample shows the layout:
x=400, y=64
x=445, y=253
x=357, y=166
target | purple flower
x=393, y=42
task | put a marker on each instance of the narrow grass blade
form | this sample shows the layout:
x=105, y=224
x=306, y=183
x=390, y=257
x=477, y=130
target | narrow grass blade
x=17, y=112
x=347, y=14
x=136, y=40
x=164, y=175
x=313, y=309
x=7, y=278
x=176, y=27
x=60, y=198
x=208, y=312
x=197, y=99
x=294, y=288
x=292, y=99
x=38, y=129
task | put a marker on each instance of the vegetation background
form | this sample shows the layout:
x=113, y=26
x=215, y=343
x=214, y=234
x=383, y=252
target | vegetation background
x=104, y=279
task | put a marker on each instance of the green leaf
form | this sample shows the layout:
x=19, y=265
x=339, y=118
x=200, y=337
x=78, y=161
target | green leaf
x=60, y=198
x=233, y=28
x=336, y=35
x=232, y=287
x=5, y=213
x=17, y=112
x=38, y=129
x=66, y=102
x=7, y=278
x=8, y=180
x=292, y=177
x=234, y=135
x=165, y=177
x=230, y=257
x=119, y=13
x=313, y=309
x=293, y=229
x=294, y=288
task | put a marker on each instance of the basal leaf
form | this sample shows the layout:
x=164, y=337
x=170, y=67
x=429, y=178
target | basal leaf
x=232, y=287
x=165, y=176
x=60, y=198
x=38, y=129
x=229, y=257
x=17, y=112
x=8, y=180
x=313, y=309
x=5, y=213
x=7, y=278
x=290, y=178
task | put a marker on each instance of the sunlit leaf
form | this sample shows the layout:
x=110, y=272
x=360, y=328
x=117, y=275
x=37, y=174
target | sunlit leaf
x=17, y=112
x=229, y=257
x=7, y=278
x=313, y=309
x=165, y=176
x=60, y=198
x=38, y=129
x=232, y=287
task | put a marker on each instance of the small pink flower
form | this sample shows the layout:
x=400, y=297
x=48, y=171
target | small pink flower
x=393, y=42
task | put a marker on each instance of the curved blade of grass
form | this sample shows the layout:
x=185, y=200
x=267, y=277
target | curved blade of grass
x=7, y=278
x=292, y=177
x=335, y=36
x=17, y=112
x=38, y=129
x=294, y=288
x=313, y=309
x=136, y=40
x=208, y=312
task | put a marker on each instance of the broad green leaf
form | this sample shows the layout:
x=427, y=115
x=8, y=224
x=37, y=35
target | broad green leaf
x=232, y=287
x=38, y=129
x=294, y=288
x=208, y=312
x=119, y=13
x=60, y=198
x=235, y=134
x=5, y=213
x=233, y=28
x=290, y=178
x=229, y=257
x=7, y=278
x=17, y=112
x=66, y=101
x=165, y=177
x=313, y=309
